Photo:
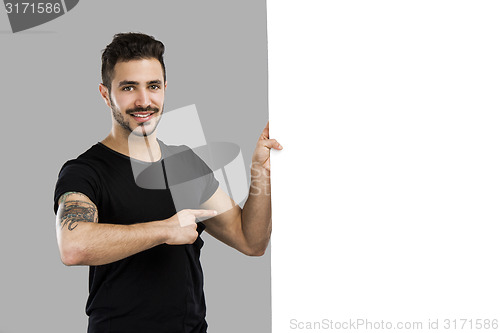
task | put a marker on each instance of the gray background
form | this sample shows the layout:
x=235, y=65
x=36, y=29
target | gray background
x=216, y=58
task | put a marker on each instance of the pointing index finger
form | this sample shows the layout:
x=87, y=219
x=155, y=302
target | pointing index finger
x=203, y=212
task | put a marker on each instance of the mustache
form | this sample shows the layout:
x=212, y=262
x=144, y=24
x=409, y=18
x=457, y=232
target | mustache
x=139, y=109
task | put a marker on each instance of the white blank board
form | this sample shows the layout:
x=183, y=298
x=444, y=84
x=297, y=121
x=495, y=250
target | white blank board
x=386, y=195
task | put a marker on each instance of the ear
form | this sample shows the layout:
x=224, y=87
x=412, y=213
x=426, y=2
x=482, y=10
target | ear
x=165, y=85
x=104, y=94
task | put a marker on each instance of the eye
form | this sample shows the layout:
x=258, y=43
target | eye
x=128, y=88
x=155, y=87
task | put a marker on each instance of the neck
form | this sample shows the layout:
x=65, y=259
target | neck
x=143, y=148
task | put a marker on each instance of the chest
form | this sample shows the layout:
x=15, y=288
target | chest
x=124, y=201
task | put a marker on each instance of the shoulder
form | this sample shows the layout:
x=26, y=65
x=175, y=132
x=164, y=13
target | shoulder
x=84, y=163
x=171, y=150
x=80, y=175
x=183, y=160
x=180, y=154
x=96, y=158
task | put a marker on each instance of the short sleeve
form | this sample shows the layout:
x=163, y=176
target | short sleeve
x=201, y=171
x=77, y=176
x=210, y=182
x=190, y=180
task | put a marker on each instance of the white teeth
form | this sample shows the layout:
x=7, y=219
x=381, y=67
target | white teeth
x=141, y=115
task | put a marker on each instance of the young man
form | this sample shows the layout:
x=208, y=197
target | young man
x=143, y=250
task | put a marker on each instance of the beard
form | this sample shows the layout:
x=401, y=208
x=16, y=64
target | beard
x=141, y=129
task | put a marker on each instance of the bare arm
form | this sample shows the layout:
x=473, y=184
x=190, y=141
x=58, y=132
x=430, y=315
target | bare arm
x=247, y=230
x=256, y=214
x=84, y=241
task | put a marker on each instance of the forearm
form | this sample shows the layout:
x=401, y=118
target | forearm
x=249, y=229
x=256, y=214
x=100, y=243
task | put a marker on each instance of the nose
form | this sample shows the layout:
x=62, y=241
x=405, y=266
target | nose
x=142, y=98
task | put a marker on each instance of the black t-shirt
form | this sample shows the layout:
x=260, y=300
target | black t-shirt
x=160, y=289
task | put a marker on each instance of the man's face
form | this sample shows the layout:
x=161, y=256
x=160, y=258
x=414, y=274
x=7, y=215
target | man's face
x=137, y=96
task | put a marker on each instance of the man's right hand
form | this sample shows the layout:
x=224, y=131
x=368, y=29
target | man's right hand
x=182, y=226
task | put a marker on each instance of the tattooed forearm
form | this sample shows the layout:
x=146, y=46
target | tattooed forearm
x=75, y=211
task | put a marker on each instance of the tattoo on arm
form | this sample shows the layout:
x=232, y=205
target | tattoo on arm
x=75, y=211
x=65, y=195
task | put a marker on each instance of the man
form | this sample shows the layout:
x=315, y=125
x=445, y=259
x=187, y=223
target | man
x=142, y=248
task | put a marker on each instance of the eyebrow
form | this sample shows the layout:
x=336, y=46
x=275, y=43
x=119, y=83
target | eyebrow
x=126, y=83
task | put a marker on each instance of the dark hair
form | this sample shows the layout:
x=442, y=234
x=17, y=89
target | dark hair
x=129, y=46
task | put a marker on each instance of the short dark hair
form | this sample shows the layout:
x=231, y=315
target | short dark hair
x=129, y=46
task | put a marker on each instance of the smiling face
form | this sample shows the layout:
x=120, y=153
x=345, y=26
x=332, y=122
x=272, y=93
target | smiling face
x=136, y=97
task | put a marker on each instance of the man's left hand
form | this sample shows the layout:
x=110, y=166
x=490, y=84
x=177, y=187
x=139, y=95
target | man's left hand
x=262, y=152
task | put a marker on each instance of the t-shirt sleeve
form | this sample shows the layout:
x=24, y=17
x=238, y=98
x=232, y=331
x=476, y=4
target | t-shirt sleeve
x=77, y=176
x=210, y=183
